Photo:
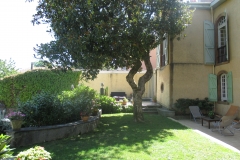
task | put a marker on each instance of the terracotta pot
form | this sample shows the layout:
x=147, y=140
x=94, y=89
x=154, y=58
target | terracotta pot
x=85, y=118
x=16, y=124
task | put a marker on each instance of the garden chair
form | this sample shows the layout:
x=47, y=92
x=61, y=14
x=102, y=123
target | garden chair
x=195, y=112
x=227, y=121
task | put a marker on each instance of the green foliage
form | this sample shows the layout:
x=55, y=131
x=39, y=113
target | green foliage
x=109, y=105
x=183, y=104
x=24, y=86
x=5, y=150
x=50, y=109
x=106, y=91
x=7, y=68
x=43, y=109
x=94, y=35
x=34, y=153
x=39, y=64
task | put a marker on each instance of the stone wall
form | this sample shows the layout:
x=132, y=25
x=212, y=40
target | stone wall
x=34, y=135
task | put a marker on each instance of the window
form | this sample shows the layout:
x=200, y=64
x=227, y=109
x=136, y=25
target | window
x=223, y=90
x=220, y=87
x=222, y=40
x=162, y=52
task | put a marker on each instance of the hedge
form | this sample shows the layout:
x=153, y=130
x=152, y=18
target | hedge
x=24, y=86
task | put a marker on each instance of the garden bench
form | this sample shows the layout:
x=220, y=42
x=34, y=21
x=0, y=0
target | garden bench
x=118, y=95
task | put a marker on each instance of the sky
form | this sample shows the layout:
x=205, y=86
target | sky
x=18, y=36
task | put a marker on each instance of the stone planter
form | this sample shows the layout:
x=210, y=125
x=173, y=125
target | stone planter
x=16, y=124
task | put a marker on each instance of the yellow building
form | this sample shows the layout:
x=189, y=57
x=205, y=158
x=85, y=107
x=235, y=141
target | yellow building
x=205, y=62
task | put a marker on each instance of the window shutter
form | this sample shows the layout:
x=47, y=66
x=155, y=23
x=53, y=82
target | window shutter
x=229, y=87
x=212, y=87
x=209, y=52
x=158, y=56
x=226, y=20
x=166, y=50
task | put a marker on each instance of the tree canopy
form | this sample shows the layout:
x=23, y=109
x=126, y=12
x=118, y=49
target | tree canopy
x=96, y=34
x=107, y=33
x=7, y=68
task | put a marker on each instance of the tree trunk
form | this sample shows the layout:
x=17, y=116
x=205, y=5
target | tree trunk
x=139, y=89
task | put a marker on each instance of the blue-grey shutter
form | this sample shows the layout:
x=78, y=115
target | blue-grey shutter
x=166, y=50
x=158, y=56
x=209, y=52
x=212, y=87
x=229, y=87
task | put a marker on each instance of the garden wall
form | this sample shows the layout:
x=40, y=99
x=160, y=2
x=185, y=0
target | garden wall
x=34, y=135
x=116, y=82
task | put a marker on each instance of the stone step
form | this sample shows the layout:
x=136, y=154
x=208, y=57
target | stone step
x=149, y=110
x=147, y=99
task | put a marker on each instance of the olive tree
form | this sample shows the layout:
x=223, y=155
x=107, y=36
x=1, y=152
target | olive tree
x=97, y=34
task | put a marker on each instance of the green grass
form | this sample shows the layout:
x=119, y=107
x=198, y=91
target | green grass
x=119, y=137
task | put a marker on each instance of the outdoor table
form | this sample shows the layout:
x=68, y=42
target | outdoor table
x=210, y=120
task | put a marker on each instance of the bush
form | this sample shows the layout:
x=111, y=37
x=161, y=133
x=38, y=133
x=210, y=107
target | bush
x=49, y=109
x=109, y=105
x=183, y=104
x=5, y=151
x=43, y=109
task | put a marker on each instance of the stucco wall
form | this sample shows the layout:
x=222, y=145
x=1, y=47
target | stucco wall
x=163, y=77
x=116, y=82
x=190, y=49
x=190, y=81
x=232, y=7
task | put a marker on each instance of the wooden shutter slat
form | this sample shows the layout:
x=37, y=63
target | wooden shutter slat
x=212, y=87
x=209, y=52
x=229, y=87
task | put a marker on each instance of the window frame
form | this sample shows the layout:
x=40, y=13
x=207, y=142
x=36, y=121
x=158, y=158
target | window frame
x=164, y=51
x=221, y=50
x=223, y=83
x=219, y=86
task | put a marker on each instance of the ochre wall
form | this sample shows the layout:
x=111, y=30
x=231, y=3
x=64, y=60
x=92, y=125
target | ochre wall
x=163, y=77
x=190, y=49
x=232, y=7
x=190, y=81
x=186, y=65
x=116, y=82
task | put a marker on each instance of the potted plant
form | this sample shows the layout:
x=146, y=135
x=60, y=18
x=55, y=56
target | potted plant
x=35, y=153
x=124, y=101
x=211, y=114
x=16, y=118
x=154, y=99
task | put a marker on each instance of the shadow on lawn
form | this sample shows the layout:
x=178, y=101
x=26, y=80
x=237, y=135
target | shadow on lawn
x=115, y=134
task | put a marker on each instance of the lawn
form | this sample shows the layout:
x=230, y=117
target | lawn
x=119, y=137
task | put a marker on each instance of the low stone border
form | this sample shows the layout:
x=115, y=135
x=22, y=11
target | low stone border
x=34, y=135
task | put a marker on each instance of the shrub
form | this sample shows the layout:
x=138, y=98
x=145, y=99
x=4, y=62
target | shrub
x=43, y=109
x=5, y=151
x=109, y=105
x=183, y=104
x=49, y=109
x=34, y=153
